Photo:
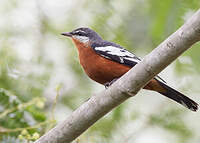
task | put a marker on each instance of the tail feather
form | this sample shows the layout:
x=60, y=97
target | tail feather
x=178, y=97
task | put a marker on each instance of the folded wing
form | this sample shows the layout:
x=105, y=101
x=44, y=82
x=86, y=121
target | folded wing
x=116, y=53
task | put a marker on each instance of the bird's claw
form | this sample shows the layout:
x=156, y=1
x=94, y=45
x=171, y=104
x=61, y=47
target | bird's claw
x=107, y=84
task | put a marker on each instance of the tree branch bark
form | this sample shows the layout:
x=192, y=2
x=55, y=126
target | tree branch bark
x=128, y=85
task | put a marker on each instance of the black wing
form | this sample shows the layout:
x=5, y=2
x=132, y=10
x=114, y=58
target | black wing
x=116, y=53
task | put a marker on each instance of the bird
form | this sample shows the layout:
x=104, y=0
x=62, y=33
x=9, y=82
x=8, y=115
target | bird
x=105, y=62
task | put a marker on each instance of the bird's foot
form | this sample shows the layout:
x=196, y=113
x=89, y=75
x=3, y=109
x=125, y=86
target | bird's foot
x=107, y=84
x=87, y=100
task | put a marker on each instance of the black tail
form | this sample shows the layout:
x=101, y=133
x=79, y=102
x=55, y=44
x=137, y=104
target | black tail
x=179, y=97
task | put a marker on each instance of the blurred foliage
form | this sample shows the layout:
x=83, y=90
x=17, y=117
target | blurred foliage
x=16, y=116
x=172, y=121
x=35, y=59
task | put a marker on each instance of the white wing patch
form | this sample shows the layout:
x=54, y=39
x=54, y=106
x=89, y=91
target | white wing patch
x=121, y=53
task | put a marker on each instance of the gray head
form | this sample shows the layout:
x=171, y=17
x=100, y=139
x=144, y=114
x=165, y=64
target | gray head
x=83, y=35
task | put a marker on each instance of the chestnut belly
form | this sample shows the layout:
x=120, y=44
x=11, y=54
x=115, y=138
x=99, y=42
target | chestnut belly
x=103, y=70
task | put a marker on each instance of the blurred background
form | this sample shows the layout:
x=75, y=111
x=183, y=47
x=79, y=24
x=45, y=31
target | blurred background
x=42, y=82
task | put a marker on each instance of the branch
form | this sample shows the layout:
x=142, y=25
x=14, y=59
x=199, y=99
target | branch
x=128, y=85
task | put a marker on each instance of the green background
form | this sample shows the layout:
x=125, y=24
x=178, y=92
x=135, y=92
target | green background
x=37, y=63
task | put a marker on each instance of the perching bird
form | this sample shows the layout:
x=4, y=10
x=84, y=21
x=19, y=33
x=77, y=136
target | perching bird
x=105, y=62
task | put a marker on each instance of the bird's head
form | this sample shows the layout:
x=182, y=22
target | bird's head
x=83, y=35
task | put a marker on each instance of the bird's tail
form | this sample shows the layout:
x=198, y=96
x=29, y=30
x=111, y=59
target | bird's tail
x=178, y=97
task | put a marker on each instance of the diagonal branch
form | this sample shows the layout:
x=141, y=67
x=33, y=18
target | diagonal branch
x=128, y=85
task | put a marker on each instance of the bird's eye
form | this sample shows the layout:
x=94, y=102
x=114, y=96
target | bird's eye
x=80, y=33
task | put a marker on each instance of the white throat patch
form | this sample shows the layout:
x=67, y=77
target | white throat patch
x=83, y=39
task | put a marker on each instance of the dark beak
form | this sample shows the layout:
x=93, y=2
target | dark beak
x=68, y=34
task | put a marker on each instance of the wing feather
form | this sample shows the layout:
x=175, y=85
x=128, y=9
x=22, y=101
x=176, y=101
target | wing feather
x=116, y=53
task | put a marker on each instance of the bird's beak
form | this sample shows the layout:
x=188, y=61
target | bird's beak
x=68, y=34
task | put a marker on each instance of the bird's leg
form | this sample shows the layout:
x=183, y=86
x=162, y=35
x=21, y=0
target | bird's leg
x=107, y=84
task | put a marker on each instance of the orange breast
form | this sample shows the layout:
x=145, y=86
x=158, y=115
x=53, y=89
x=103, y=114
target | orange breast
x=98, y=68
